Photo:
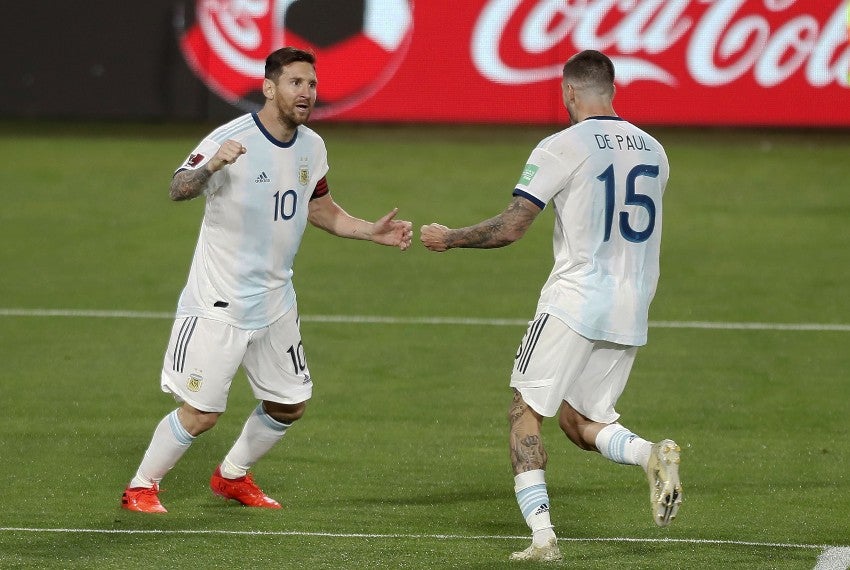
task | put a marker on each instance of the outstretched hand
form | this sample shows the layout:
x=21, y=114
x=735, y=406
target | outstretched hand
x=388, y=231
x=433, y=236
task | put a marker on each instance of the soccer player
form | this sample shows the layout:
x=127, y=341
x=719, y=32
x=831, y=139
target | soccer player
x=605, y=178
x=263, y=176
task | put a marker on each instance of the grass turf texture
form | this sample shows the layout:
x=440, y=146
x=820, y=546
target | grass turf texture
x=405, y=439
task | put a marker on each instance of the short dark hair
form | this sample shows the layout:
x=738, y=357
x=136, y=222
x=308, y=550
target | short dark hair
x=282, y=57
x=590, y=67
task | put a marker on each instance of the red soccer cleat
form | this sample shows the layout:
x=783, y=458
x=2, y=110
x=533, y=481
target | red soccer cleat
x=142, y=499
x=242, y=489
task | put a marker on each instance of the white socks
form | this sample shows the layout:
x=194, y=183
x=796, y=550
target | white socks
x=170, y=441
x=259, y=435
x=533, y=500
x=614, y=442
x=620, y=445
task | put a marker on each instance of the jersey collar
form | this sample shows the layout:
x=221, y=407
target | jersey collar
x=270, y=138
x=605, y=118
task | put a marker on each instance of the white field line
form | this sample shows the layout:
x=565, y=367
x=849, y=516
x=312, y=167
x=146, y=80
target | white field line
x=376, y=319
x=831, y=557
x=836, y=558
x=704, y=541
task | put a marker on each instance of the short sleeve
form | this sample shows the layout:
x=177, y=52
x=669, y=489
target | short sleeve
x=198, y=158
x=544, y=176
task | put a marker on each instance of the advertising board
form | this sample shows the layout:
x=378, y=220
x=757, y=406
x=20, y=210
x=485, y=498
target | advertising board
x=679, y=62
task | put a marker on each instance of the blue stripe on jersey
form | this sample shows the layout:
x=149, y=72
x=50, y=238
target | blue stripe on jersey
x=534, y=200
x=532, y=498
x=269, y=136
x=606, y=118
x=231, y=129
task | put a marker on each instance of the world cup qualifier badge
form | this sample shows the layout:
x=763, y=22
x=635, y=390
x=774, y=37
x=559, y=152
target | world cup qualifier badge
x=359, y=45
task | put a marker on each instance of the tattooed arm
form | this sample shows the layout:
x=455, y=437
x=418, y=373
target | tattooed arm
x=498, y=231
x=188, y=184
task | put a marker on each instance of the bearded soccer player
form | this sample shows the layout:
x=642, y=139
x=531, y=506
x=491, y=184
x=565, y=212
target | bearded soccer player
x=263, y=177
x=605, y=178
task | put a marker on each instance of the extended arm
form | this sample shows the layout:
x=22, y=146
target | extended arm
x=498, y=231
x=329, y=216
x=188, y=184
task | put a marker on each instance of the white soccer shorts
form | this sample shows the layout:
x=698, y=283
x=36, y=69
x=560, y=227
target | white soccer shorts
x=203, y=355
x=554, y=363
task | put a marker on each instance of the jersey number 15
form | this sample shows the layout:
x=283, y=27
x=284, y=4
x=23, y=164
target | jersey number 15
x=632, y=199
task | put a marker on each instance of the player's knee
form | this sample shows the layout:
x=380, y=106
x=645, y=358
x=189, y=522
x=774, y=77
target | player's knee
x=572, y=429
x=567, y=427
x=285, y=413
x=207, y=421
x=196, y=421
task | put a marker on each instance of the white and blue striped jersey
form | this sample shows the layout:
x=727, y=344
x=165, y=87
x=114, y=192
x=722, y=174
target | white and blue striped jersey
x=254, y=219
x=605, y=178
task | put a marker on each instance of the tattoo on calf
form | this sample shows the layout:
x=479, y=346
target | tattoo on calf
x=527, y=451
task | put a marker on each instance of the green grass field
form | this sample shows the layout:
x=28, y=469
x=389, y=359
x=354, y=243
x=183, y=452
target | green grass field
x=401, y=460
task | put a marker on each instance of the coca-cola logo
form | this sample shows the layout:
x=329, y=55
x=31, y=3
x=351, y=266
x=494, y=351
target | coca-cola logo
x=767, y=41
x=359, y=44
x=709, y=61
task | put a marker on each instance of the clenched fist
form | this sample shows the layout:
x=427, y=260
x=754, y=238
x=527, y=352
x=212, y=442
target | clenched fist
x=433, y=236
x=227, y=153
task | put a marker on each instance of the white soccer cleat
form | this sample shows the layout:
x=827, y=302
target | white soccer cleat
x=548, y=552
x=665, y=490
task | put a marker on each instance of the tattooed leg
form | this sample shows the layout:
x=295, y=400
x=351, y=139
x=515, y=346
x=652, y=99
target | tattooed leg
x=527, y=451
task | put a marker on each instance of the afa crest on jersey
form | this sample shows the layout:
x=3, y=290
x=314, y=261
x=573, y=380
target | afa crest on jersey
x=303, y=175
x=194, y=382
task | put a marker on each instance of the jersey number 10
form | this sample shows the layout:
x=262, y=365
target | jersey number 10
x=632, y=199
x=285, y=204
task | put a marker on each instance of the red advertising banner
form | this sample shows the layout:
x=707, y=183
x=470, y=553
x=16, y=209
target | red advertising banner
x=678, y=62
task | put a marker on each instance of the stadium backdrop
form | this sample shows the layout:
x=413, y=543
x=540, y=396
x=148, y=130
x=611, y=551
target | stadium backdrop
x=727, y=62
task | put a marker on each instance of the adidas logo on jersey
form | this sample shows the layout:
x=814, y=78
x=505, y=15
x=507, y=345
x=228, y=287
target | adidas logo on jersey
x=544, y=508
x=262, y=178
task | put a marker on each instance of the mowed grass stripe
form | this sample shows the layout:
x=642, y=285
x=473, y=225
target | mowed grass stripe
x=377, y=319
